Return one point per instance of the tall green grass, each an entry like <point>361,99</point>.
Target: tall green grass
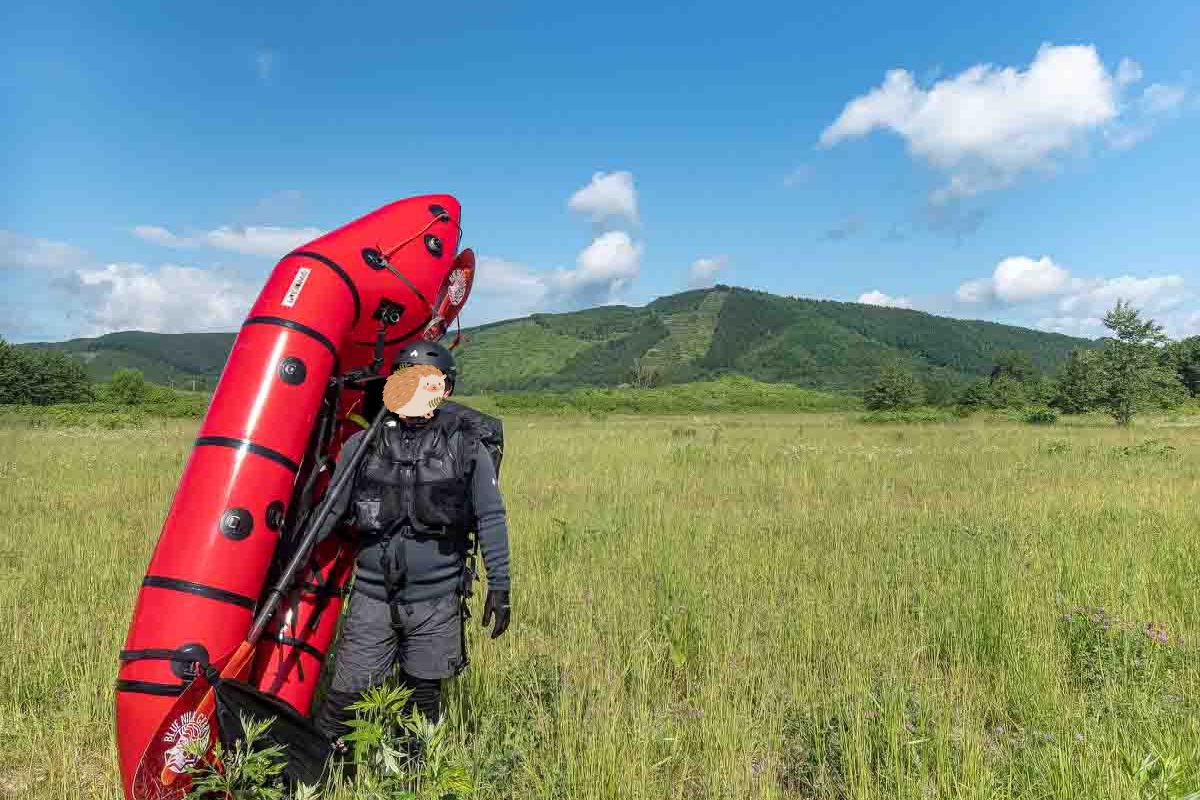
<point>770,606</point>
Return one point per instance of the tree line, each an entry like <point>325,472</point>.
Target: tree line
<point>1136,368</point>
<point>46,377</point>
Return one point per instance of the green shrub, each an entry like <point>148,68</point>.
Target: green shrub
<point>128,387</point>
<point>895,389</point>
<point>1040,416</point>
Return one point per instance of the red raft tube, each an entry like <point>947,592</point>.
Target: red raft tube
<point>318,316</point>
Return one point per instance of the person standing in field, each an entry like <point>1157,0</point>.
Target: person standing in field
<point>427,484</point>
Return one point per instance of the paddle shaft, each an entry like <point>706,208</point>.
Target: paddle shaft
<point>309,539</point>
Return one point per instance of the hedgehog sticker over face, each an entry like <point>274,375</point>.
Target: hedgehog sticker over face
<point>415,391</point>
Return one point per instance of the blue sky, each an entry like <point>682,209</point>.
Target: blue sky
<point>1026,162</point>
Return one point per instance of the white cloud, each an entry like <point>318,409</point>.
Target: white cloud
<point>1094,297</point>
<point>18,251</point>
<point>703,271</point>
<point>170,299</point>
<point>1128,71</point>
<point>987,125</point>
<point>610,194</point>
<point>604,268</point>
<point>1050,296</point>
<point>602,271</point>
<point>878,298</point>
<point>261,240</point>
<point>84,297</point>
<point>255,240</point>
<point>1017,279</point>
<point>975,291</point>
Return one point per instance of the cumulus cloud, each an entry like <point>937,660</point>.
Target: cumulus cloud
<point>18,251</point>
<point>86,297</point>
<point>1018,279</point>
<point>988,124</point>
<point>169,299</point>
<point>609,195</point>
<point>1093,297</point>
<point>703,271</point>
<point>255,240</point>
<point>602,271</point>
<point>1053,298</point>
<point>878,298</point>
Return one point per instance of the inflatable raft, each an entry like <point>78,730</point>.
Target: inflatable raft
<point>331,309</point>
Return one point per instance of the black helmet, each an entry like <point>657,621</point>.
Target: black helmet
<point>435,354</point>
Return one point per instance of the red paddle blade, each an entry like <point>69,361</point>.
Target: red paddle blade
<point>162,772</point>
<point>189,721</point>
<point>453,295</point>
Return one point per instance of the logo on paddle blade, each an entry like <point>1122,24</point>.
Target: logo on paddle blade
<point>192,726</point>
<point>458,286</point>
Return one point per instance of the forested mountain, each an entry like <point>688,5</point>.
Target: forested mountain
<point>675,339</point>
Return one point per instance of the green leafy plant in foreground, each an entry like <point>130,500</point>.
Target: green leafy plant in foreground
<point>396,754</point>
<point>250,772</point>
<point>399,754</point>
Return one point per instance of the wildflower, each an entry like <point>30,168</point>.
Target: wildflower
<point>908,726</point>
<point>1079,738</point>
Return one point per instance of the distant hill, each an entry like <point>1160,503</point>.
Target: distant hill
<point>675,339</point>
<point>174,359</point>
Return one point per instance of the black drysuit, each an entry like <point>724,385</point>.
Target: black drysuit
<point>405,607</point>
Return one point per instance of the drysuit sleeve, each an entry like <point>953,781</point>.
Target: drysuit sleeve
<point>343,502</point>
<point>491,521</point>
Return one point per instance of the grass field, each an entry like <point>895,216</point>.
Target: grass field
<point>738,606</point>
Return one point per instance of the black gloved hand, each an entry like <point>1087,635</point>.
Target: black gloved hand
<point>496,605</point>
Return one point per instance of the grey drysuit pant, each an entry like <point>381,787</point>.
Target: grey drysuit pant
<point>425,643</point>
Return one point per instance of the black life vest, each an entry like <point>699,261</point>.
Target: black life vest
<point>417,475</point>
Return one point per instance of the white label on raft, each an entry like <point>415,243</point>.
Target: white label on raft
<point>293,291</point>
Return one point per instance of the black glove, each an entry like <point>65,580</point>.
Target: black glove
<point>496,604</point>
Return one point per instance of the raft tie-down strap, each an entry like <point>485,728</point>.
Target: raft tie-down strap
<point>200,590</point>
<point>341,273</point>
<point>150,687</point>
<point>292,325</point>
<point>248,446</point>
<point>302,646</point>
<point>157,654</point>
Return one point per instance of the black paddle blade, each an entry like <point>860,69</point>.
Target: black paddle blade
<point>305,748</point>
